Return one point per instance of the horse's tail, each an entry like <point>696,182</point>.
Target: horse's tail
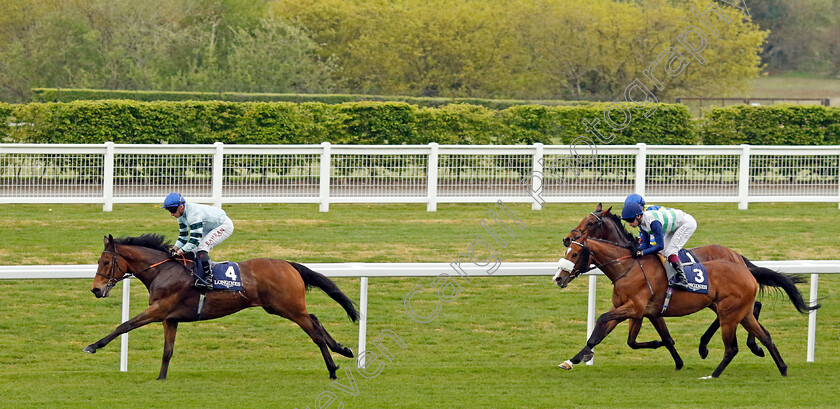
<point>311,278</point>
<point>796,278</point>
<point>768,277</point>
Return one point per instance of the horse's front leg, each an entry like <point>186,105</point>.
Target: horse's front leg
<point>662,329</point>
<point>170,328</point>
<point>151,314</point>
<point>635,326</point>
<point>603,326</point>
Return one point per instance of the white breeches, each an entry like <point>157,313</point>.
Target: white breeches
<point>677,240</point>
<point>216,236</point>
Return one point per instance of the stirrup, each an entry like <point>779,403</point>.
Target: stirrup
<point>203,284</point>
<point>680,284</point>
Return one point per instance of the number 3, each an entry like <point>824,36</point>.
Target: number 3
<point>699,278</point>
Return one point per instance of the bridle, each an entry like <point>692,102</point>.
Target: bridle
<point>112,280</point>
<point>579,233</point>
<point>585,250</point>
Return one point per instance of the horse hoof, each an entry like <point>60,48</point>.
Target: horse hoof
<point>758,352</point>
<point>704,352</point>
<point>89,349</point>
<point>567,365</point>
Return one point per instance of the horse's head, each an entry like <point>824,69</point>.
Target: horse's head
<point>110,269</point>
<point>590,225</point>
<point>575,263</point>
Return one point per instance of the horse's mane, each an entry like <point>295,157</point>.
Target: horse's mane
<point>150,240</point>
<point>630,243</point>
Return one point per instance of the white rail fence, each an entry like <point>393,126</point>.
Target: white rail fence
<point>366,270</point>
<point>219,174</point>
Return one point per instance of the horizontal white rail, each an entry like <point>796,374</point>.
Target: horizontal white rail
<point>121,173</point>
<point>366,270</point>
<point>528,268</point>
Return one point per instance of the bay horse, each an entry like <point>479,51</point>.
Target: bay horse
<point>278,286</point>
<point>639,288</point>
<point>604,225</point>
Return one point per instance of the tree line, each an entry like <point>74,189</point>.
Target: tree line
<point>519,49</point>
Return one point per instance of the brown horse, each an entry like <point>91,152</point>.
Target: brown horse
<point>639,288</point>
<point>602,224</point>
<point>278,286</point>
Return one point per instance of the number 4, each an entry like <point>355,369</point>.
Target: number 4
<point>231,273</point>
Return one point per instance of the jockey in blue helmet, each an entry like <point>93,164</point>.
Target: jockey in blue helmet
<point>201,228</point>
<point>672,229</point>
<point>637,198</point>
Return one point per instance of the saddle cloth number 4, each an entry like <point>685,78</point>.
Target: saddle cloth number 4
<point>230,273</point>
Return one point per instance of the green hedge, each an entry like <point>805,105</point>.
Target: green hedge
<point>69,95</point>
<point>125,121</point>
<point>781,124</point>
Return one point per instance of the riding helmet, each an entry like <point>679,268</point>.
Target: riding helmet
<point>173,200</point>
<point>634,198</point>
<point>630,211</point>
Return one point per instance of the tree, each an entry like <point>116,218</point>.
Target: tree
<point>276,57</point>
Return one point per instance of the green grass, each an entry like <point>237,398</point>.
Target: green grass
<point>496,345</point>
<point>797,86</point>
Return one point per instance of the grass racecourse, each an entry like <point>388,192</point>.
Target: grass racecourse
<point>497,345</point>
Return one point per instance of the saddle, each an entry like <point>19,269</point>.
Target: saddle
<point>226,274</point>
<point>695,272</point>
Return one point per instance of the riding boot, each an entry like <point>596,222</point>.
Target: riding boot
<point>679,280</point>
<point>204,280</point>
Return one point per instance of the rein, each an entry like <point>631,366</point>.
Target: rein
<point>112,281</point>
<point>629,266</point>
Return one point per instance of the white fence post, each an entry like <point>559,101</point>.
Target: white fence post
<point>108,178</point>
<point>326,165</point>
<point>126,300</point>
<point>218,173</point>
<point>744,178</point>
<point>812,318</point>
<point>537,183</point>
<point>432,178</point>
<point>641,167</point>
<point>363,303</point>
<point>590,312</point>
<point>838,186</point>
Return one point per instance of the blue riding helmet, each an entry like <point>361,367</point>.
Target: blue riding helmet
<point>173,200</point>
<point>631,210</point>
<point>634,198</point>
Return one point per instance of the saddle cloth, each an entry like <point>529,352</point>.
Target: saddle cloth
<point>226,276</point>
<point>695,272</point>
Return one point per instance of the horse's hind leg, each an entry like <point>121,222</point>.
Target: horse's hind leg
<point>314,331</point>
<point>707,336</point>
<point>752,326</point>
<point>751,338</point>
<point>334,346</point>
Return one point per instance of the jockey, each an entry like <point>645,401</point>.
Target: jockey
<point>636,198</point>
<point>671,227</point>
<point>201,228</point>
